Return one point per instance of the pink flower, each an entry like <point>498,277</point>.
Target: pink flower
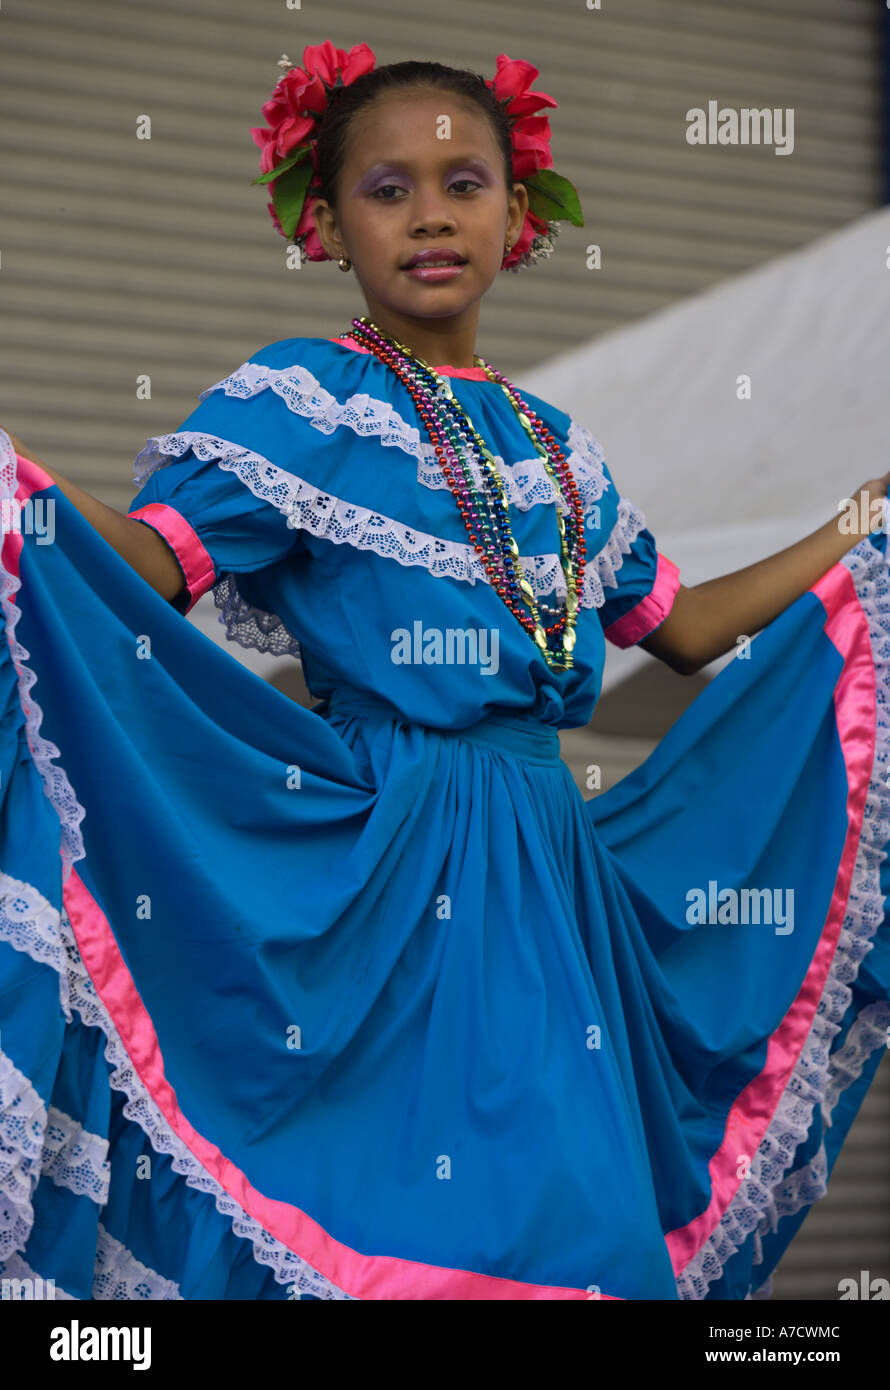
<point>512,81</point>
<point>306,227</point>
<point>531,146</point>
<point>277,143</point>
<point>292,113</point>
<point>301,97</point>
<point>329,62</point>
<point>530,229</point>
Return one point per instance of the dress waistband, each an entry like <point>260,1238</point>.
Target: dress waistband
<point>520,736</point>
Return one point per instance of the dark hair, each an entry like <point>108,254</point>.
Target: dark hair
<point>345,102</point>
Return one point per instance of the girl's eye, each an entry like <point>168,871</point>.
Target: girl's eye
<point>378,191</point>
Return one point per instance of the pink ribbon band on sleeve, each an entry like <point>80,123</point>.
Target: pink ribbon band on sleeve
<point>645,616</point>
<point>194,559</point>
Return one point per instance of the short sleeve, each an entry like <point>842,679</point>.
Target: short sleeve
<point>209,516</point>
<point>639,582</point>
<point>212,522</point>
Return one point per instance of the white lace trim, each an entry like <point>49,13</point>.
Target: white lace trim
<point>140,1107</point>
<point>806,1185</point>
<point>250,626</point>
<point>17,1268</point>
<point>24,1121</point>
<point>29,923</point>
<point>819,1077</point>
<point>119,1275</point>
<point>76,1158</point>
<point>603,568</point>
<point>35,1141</point>
<point>55,781</point>
<point>527,483</point>
<point>22,1126</point>
<point>867,1032</point>
<point>309,508</point>
<point>756,1206</point>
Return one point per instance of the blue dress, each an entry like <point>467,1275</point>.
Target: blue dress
<point>371,1000</point>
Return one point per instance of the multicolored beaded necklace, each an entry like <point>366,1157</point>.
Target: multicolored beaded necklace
<point>455,439</point>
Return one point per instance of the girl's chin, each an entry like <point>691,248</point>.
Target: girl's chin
<point>425,302</point>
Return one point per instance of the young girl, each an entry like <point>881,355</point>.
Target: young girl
<point>369,1000</point>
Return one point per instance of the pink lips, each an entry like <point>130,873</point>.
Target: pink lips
<point>433,273</point>
<point>420,268</point>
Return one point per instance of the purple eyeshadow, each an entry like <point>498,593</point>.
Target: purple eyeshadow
<point>378,177</point>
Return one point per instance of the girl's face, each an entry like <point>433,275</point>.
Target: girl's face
<point>403,189</point>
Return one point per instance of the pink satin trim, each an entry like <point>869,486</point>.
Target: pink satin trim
<point>30,478</point>
<point>387,1277</point>
<point>473,373</point>
<point>192,555</point>
<point>27,470</point>
<point>645,616</point>
<point>363,1276</point>
<point>855,704</point>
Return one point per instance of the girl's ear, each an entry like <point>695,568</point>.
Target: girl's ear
<point>326,227</point>
<point>518,207</point>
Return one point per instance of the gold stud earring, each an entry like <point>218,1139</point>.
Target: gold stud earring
<point>345,263</point>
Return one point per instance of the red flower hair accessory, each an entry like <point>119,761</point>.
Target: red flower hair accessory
<point>289,161</point>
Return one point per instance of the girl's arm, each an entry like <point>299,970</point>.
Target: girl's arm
<point>141,546</point>
<point>707,619</point>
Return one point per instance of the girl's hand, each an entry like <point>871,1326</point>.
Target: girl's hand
<point>18,445</point>
<point>864,517</point>
<point>27,453</point>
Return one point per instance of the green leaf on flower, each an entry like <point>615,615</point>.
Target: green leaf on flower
<point>289,195</point>
<point>282,168</point>
<point>553,198</point>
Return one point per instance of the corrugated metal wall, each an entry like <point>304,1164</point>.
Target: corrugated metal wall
<point>122,257</point>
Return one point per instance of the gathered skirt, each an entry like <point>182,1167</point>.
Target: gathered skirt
<point>329,1004</point>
